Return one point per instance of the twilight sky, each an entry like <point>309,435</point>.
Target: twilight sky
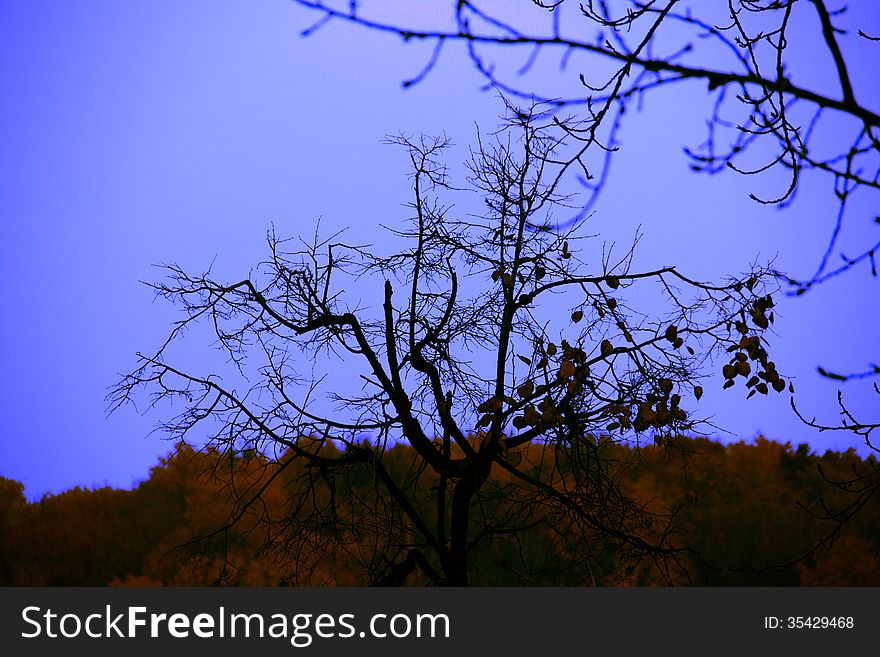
<point>149,132</point>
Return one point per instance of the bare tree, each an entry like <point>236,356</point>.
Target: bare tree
<point>771,111</point>
<point>508,364</point>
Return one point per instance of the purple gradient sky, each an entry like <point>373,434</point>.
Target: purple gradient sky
<point>139,133</point>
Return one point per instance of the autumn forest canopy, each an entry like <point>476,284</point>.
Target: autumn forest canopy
<point>751,514</point>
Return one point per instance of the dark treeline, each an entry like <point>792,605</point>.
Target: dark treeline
<point>751,512</point>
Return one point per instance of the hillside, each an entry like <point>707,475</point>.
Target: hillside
<point>746,512</point>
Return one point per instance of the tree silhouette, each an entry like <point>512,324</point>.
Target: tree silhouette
<point>772,108</point>
<point>484,341</point>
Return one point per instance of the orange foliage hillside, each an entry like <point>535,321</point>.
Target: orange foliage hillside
<point>747,511</point>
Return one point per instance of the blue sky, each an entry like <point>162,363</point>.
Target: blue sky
<point>141,133</point>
